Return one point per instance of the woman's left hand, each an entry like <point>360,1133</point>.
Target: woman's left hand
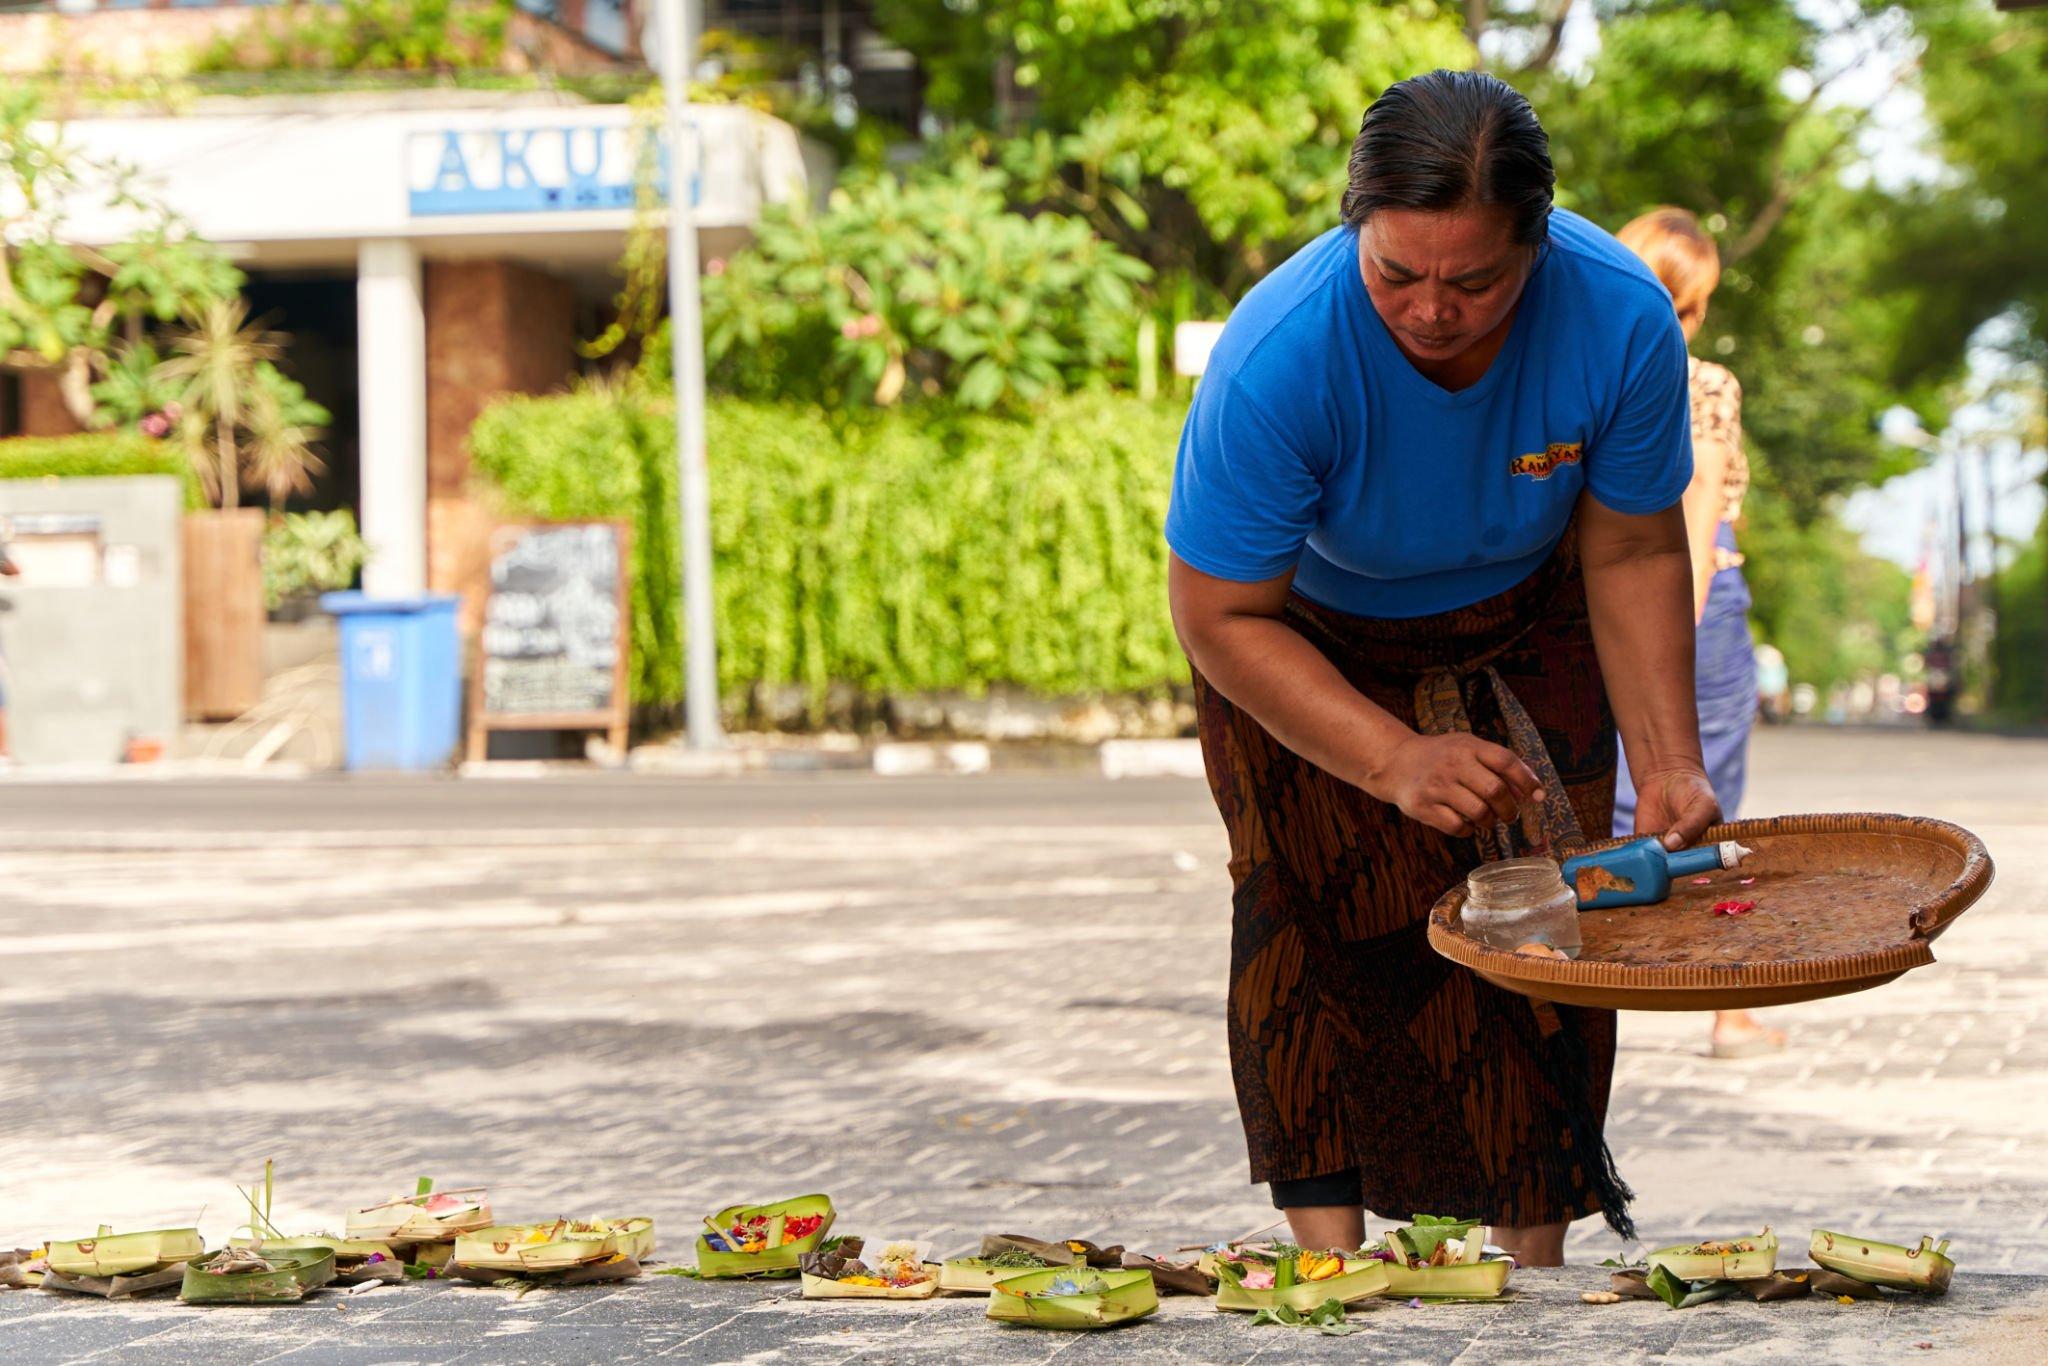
<point>1677,803</point>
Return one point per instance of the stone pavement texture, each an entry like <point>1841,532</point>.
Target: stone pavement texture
<point>959,1005</point>
<point>1985,1320</point>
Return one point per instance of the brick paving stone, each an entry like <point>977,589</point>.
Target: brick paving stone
<point>952,1003</point>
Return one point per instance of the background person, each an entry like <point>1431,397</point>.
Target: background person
<point>1426,500</point>
<point>1674,245</point>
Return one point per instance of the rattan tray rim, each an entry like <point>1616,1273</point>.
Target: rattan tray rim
<point>1929,917</point>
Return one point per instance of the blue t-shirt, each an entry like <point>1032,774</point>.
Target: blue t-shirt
<point>1313,444</point>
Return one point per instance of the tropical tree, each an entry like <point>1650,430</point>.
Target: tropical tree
<point>283,426</point>
<point>1968,251</point>
<point>69,308</point>
<point>239,414</point>
<point>1208,139</point>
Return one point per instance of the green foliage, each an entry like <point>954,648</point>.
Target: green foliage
<point>1680,1294</point>
<point>1971,251</point>
<point>136,385</point>
<point>593,454</point>
<point>1326,1318</point>
<point>96,455</point>
<point>927,287</point>
<point>2021,681</point>
<point>1690,105</point>
<point>1837,612</point>
<point>1200,135</point>
<point>63,305</point>
<point>310,552</point>
<point>367,35</point>
<point>912,551</point>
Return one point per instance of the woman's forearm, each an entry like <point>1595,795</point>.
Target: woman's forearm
<point>1639,592</point>
<point>1265,667</point>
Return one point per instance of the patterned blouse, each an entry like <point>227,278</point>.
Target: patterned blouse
<point>1717,416</point>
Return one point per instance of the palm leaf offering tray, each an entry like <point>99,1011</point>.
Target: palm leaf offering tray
<point>1251,1277</point>
<point>1073,1298</point>
<point>1173,1277</point>
<point>117,1287</point>
<point>425,1216</point>
<point>1731,1259</point>
<point>1004,1255</point>
<point>1442,1259</point>
<point>897,1269</point>
<point>356,1261</point>
<point>555,1245</point>
<point>1925,1268</point>
<point>108,1254</point>
<point>1824,905</point>
<point>22,1268</point>
<point>617,1267</point>
<point>244,1276</point>
<point>1850,1267</point>
<point>756,1240</point>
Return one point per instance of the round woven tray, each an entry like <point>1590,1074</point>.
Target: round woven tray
<point>1843,903</point>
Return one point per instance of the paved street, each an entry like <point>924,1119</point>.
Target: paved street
<point>959,1005</point>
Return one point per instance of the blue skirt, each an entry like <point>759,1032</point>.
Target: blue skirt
<point>1724,684</point>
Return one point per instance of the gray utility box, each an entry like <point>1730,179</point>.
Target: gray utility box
<point>92,631</point>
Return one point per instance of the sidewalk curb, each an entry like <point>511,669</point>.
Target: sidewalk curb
<point>931,758</point>
<point>1114,759</point>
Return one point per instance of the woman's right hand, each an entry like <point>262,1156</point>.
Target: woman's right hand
<point>1456,783</point>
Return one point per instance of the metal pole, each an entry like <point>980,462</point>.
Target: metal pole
<point>679,26</point>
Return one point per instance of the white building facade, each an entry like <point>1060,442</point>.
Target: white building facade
<point>426,253</point>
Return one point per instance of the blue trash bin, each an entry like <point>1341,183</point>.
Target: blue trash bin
<point>401,679</point>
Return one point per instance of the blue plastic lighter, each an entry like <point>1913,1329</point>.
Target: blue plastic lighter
<point>1639,873</point>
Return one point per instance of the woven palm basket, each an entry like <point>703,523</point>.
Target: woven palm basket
<point>1843,903</point>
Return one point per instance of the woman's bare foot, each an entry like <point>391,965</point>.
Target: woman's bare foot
<point>1533,1245</point>
<point>1738,1034</point>
<point>1327,1228</point>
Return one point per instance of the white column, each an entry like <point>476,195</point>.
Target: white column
<point>391,364</point>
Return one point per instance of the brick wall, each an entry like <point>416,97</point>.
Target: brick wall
<point>493,327</point>
<point>42,406</point>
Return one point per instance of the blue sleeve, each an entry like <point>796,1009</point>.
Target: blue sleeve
<point>1244,494</point>
<point>1641,460</point>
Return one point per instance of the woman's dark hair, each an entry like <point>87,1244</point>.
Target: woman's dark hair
<point>1451,138</point>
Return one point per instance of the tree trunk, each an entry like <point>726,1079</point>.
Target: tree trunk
<point>230,467</point>
<point>74,384</point>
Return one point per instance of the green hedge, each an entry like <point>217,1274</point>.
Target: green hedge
<point>908,552</point>
<point>96,455</point>
<point>2021,647</point>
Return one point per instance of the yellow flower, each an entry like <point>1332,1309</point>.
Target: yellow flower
<point>1319,1266</point>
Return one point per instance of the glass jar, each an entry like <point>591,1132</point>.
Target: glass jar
<point>1521,901</point>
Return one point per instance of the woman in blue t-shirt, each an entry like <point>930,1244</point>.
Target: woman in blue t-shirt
<point>1425,528</point>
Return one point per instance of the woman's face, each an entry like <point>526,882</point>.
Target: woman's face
<point>1442,282</point>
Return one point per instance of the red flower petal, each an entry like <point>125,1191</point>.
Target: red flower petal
<point>1733,908</point>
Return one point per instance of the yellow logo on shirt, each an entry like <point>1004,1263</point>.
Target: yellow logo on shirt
<point>1544,463</point>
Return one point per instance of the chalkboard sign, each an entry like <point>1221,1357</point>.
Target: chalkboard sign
<point>553,644</point>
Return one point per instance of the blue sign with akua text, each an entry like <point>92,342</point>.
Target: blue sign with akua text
<point>562,169</point>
